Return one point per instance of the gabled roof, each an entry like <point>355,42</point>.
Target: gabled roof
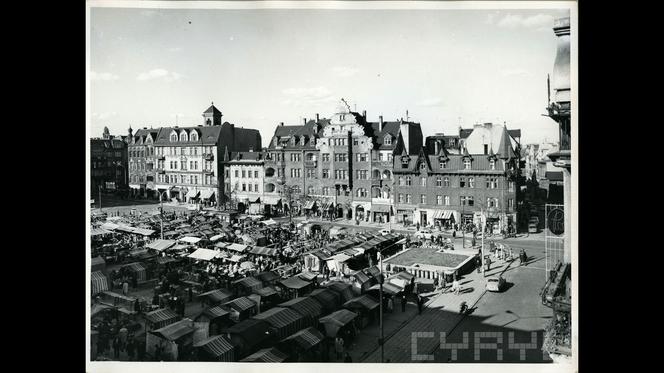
<point>208,135</point>
<point>465,132</point>
<point>391,128</point>
<point>505,151</point>
<point>244,156</point>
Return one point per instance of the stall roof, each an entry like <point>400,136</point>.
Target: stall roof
<point>237,247</point>
<point>176,330</point>
<point>373,271</point>
<point>266,291</point>
<point>241,304</point>
<point>236,258</point>
<point>305,306</point>
<point>253,331</point>
<point>143,231</point>
<point>260,250</point>
<point>361,277</point>
<point>266,355</point>
<point>217,295</point>
<point>341,257</point>
<point>97,260</point>
<point>221,245</point>
<point>295,283</point>
<point>178,247</point>
<point>320,254</point>
<point>363,301</point>
<point>217,237</point>
<point>99,231</point>
<point>160,245</point>
<point>269,222</point>
<point>307,276</point>
<point>268,276</point>
<point>284,320</point>
<point>339,318</point>
<point>342,288</point>
<point>204,254</point>
<point>248,282</point>
<point>306,338</point>
<point>189,239</point>
<point>160,315</point>
<point>329,299</point>
<point>135,266</point>
<point>388,288</point>
<point>404,275</point>
<point>110,226</point>
<point>217,346</point>
<point>214,312</point>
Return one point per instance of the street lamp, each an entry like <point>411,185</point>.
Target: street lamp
<point>382,279</point>
<point>161,212</point>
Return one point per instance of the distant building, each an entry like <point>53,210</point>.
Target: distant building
<point>109,163</point>
<point>244,179</point>
<point>142,167</point>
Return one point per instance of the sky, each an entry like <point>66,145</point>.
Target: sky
<point>159,67</point>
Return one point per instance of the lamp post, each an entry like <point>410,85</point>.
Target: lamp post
<point>380,340</point>
<point>161,212</point>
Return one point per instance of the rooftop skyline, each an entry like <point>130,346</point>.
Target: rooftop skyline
<point>448,68</point>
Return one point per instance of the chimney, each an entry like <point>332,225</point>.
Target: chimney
<point>317,118</point>
<point>305,121</point>
<point>436,143</point>
<point>380,123</point>
<point>282,123</point>
<point>405,132</point>
<point>251,149</point>
<point>364,114</point>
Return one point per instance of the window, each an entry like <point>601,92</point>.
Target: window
<point>423,166</point>
<point>490,202</point>
<point>310,190</point>
<point>446,182</point>
<point>491,183</point>
<point>387,140</point>
<point>462,200</point>
<point>492,164</point>
<point>471,201</point>
<point>195,179</point>
<point>174,137</point>
<point>439,200</point>
<point>363,157</point>
<point>311,173</point>
<point>486,149</point>
<point>447,200</point>
<point>401,182</point>
<point>510,186</point>
<point>326,173</point>
<point>250,188</point>
<point>244,187</point>
<point>466,164</point>
<point>443,164</point>
<point>183,136</point>
<point>423,198</point>
<point>510,203</point>
<point>389,157</point>
<point>326,191</point>
<point>408,198</point>
<point>408,180</point>
<point>439,181</point>
<point>423,181</point>
<point>355,142</point>
<point>326,157</point>
<point>462,182</point>
<point>471,182</point>
<point>400,198</point>
<point>280,172</point>
<point>191,165</point>
<point>362,174</point>
<point>237,173</point>
<point>244,174</point>
<point>361,192</point>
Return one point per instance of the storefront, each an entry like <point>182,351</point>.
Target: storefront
<point>405,216</point>
<point>381,213</point>
<point>443,218</point>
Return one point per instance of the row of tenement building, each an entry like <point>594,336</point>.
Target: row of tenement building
<point>342,166</point>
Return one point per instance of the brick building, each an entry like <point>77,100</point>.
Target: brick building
<point>109,164</point>
<point>142,168</point>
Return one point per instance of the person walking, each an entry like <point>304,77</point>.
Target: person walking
<point>456,287</point>
<point>116,347</point>
<point>478,264</point>
<point>488,264</point>
<point>125,288</point>
<point>420,302</point>
<point>339,347</point>
<point>403,303</point>
<point>390,305</point>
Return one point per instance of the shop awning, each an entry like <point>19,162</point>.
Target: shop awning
<point>216,296</point>
<point>284,321</point>
<point>336,320</point>
<point>305,306</point>
<point>203,254</point>
<point>207,194</point>
<point>241,304</point>
<point>192,193</point>
<point>160,245</point>
<point>442,214</point>
<point>307,338</point>
<point>270,200</point>
<point>218,347</point>
<point>295,283</point>
<point>380,208</point>
<point>237,247</point>
<point>267,355</point>
<point>189,239</point>
<point>362,302</point>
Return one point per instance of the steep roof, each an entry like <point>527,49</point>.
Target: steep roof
<point>388,127</point>
<point>212,110</point>
<point>244,156</point>
<point>465,132</point>
<point>208,135</point>
<point>505,150</point>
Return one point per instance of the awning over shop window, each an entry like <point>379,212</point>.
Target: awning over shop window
<point>207,194</point>
<point>380,208</point>
<point>192,193</point>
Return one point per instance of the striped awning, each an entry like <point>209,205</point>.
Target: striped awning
<point>306,338</point>
<point>161,317</point>
<point>219,347</point>
<point>305,306</point>
<point>176,330</point>
<point>363,301</point>
<point>327,298</point>
<point>241,304</point>
<point>192,193</point>
<point>267,355</point>
<point>265,251</point>
<point>99,282</point>
<point>214,312</point>
<point>295,283</point>
<point>160,245</point>
<point>284,321</point>
<point>336,320</point>
<point>207,194</point>
<point>309,205</point>
<point>442,214</point>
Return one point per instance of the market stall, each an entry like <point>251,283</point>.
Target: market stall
<point>329,299</point>
<point>337,321</point>
<point>137,269</point>
<point>268,277</point>
<point>98,264</point>
<point>173,341</point>
<point>241,308</point>
<point>203,254</point>
<point>215,317</point>
<point>308,307</point>
<point>215,349</point>
<point>304,345</point>
<point>365,306</point>
<point>214,297</point>
<point>159,318</point>
<point>268,355</point>
<point>248,336</point>
<point>344,289</point>
<point>99,282</point>
<point>247,285</point>
<point>283,321</point>
<point>160,245</point>
<point>294,287</point>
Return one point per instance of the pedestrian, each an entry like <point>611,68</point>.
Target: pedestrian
<point>116,347</point>
<point>419,304</point>
<point>488,263</point>
<point>454,233</point>
<point>131,348</point>
<point>125,288</point>
<point>443,280</point>
<point>390,305</point>
<point>137,306</point>
<point>339,347</point>
<point>478,264</point>
<point>403,303</point>
<point>123,333</point>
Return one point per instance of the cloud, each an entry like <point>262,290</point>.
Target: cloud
<point>433,101</point>
<point>103,116</point>
<point>537,21</point>
<point>308,96</point>
<point>103,76</point>
<point>345,71</point>
<point>163,74</point>
<point>516,72</point>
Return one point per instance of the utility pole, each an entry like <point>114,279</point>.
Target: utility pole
<point>483,230</point>
<point>382,279</point>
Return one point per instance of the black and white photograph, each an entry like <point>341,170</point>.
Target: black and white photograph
<point>378,182</point>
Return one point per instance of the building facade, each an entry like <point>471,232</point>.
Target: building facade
<point>337,167</point>
<point>441,188</point>
<point>142,168</point>
<point>109,164</point>
<point>189,160</point>
<point>245,179</point>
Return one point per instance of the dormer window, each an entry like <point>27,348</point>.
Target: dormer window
<point>466,164</point>
<point>443,162</point>
<point>292,141</point>
<point>423,166</point>
<point>492,164</point>
<point>388,140</point>
<point>174,136</point>
<point>193,136</point>
<point>183,136</point>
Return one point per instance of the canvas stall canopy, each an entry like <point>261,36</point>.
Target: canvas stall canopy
<point>250,283</point>
<point>98,264</point>
<point>252,332</point>
<point>218,348</point>
<point>364,302</point>
<point>294,283</point>
<point>190,239</point>
<point>216,296</point>
<point>264,251</point>
<point>139,269</point>
<point>99,282</point>
<point>122,302</point>
<point>176,330</point>
<point>305,306</point>
<point>283,321</point>
<point>266,292</point>
<point>204,254</point>
<point>266,355</point>
<point>306,338</point>
<point>159,318</point>
<point>337,320</point>
<point>344,289</point>
<point>329,299</point>
<point>268,277</point>
<point>237,247</point>
<point>388,288</point>
<point>160,245</point>
<point>241,304</point>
